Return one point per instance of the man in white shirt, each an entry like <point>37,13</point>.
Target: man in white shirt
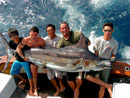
<point>51,42</point>
<point>106,47</point>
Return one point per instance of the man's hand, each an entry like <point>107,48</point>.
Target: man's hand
<point>113,59</point>
<point>25,58</point>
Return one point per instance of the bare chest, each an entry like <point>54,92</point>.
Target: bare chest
<point>35,43</point>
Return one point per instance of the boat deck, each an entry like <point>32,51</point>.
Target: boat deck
<point>45,88</point>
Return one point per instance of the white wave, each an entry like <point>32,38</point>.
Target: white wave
<point>73,15</point>
<point>3,1</point>
<point>125,53</point>
<point>92,38</point>
<point>26,0</point>
<point>97,4</point>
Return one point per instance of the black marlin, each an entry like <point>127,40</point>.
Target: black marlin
<point>75,58</point>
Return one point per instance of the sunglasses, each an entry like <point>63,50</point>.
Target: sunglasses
<point>50,30</point>
<point>12,35</point>
<point>107,30</point>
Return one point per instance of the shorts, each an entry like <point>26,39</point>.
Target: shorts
<point>92,73</point>
<point>74,76</point>
<point>104,75</point>
<point>54,73</point>
<point>17,65</point>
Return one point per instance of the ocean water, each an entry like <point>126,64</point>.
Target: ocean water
<point>86,16</point>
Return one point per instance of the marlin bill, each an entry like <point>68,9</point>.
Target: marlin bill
<point>75,58</point>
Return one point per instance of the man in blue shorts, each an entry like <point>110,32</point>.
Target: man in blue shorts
<point>19,62</point>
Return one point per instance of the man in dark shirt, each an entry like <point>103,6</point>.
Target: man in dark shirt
<point>19,62</point>
<point>70,38</point>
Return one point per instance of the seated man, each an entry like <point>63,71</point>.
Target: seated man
<point>70,38</point>
<point>105,47</point>
<point>19,62</point>
<point>33,40</point>
<point>51,41</point>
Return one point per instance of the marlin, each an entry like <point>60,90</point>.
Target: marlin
<point>75,58</point>
<point>9,51</point>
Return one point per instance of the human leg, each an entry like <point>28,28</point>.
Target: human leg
<point>71,84</point>
<point>34,70</point>
<point>22,79</point>
<point>53,81</point>
<point>50,75</point>
<point>78,85</point>
<point>15,70</point>
<point>31,87</point>
<point>27,69</point>
<point>101,92</point>
<point>102,85</point>
<point>71,77</point>
<point>104,75</point>
<point>62,87</point>
<point>59,75</point>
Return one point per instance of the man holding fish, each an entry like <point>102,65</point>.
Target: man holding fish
<point>69,38</point>
<point>33,40</point>
<point>106,47</point>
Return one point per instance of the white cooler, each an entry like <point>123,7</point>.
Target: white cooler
<point>121,90</point>
<point>7,85</point>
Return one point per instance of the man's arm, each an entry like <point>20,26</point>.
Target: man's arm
<point>96,52</point>
<point>20,46</point>
<point>43,43</point>
<point>113,57</point>
<point>59,44</point>
<point>89,43</point>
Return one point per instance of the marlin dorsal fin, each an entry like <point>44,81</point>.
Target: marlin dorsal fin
<point>82,42</point>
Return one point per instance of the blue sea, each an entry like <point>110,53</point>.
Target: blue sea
<point>86,16</point>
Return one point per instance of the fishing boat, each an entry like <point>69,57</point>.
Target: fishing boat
<point>120,73</point>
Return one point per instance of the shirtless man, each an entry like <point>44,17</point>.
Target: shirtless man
<point>33,40</point>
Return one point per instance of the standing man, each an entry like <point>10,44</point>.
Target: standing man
<point>106,47</point>
<point>70,38</point>
<point>19,62</point>
<point>51,42</point>
<point>33,40</point>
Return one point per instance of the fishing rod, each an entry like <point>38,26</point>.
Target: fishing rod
<point>114,59</point>
<point>122,59</point>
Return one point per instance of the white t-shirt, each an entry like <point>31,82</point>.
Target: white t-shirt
<point>106,48</point>
<point>51,42</point>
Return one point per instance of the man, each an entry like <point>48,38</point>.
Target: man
<point>19,62</point>
<point>33,40</point>
<point>70,38</point>
<point>51,42</point>
<point>106,47</point>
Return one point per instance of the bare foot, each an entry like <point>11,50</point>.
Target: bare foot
<point>35,93</point>
<point>57,93</point>
<point>22,82</point>
<point>31,92</point>
<point>62,89</point>
<point>21,86</point>
<point>76,93</point>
